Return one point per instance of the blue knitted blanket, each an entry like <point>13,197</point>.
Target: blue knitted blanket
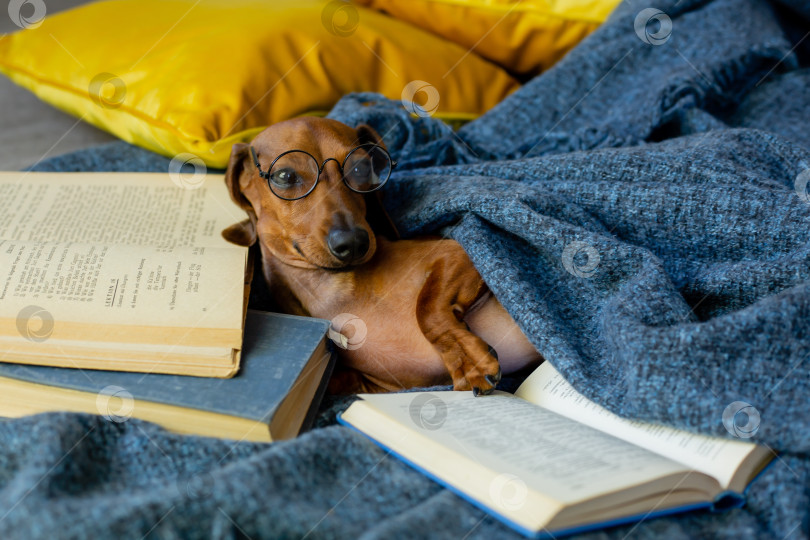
<point>641,209</point>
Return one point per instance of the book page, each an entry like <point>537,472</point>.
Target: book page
<point>121,208</point>
<point>551,454</point>
<point>94,291</point>
<point>714,456</point>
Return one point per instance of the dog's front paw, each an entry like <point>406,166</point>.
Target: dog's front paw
<point>473,365</point>
<point>492,380</point>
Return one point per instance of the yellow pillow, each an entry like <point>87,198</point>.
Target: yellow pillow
<point>523,36</point>
<point>178,76</point>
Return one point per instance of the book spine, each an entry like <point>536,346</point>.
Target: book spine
<point>727,500</point>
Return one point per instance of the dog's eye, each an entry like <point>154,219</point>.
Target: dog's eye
<point>366,168</point>
<point>284,178</point>
<point>361,171</point>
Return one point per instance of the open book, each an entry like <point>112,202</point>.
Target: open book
<point>120,271</point>
<point>548,461</point>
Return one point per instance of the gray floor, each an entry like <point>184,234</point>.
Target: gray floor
<point>31,130</point>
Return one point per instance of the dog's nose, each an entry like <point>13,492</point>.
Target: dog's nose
<point>348,245</point>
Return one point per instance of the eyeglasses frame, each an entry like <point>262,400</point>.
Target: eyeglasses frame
<point>266,174</point>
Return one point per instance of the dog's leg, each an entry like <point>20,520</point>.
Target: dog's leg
<point>451,287</point>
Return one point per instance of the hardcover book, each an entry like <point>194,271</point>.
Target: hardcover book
<point>548,462</point>
<point>120,271</point>
<point>286,365</point>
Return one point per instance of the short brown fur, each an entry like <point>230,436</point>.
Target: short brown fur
<point>414,296</point>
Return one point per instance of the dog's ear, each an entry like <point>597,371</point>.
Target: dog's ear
<point>368,135</point>
<point>233,174</point>
<point>377,217</point>
<point>241,234</point>
<point>244,232</point>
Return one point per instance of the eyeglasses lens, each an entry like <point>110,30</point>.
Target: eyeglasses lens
<point>293,175</point>
<point>366,168</point>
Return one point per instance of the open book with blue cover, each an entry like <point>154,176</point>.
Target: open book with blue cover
<point>547,461</point>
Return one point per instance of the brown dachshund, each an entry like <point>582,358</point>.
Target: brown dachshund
<point>425,315</point>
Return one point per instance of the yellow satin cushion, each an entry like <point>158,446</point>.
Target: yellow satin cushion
<point>181,76</point>
<point>523,36</point>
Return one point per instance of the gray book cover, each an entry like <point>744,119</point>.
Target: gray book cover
<point>275,351</point>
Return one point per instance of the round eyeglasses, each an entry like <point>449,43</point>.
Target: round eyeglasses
<point>295,173</point>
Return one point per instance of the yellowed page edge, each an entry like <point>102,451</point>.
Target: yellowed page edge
<point>22,398</point>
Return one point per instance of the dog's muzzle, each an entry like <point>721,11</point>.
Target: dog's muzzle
<point>348,246</point>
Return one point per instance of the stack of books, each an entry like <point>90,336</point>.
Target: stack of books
<point>118,296</point>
